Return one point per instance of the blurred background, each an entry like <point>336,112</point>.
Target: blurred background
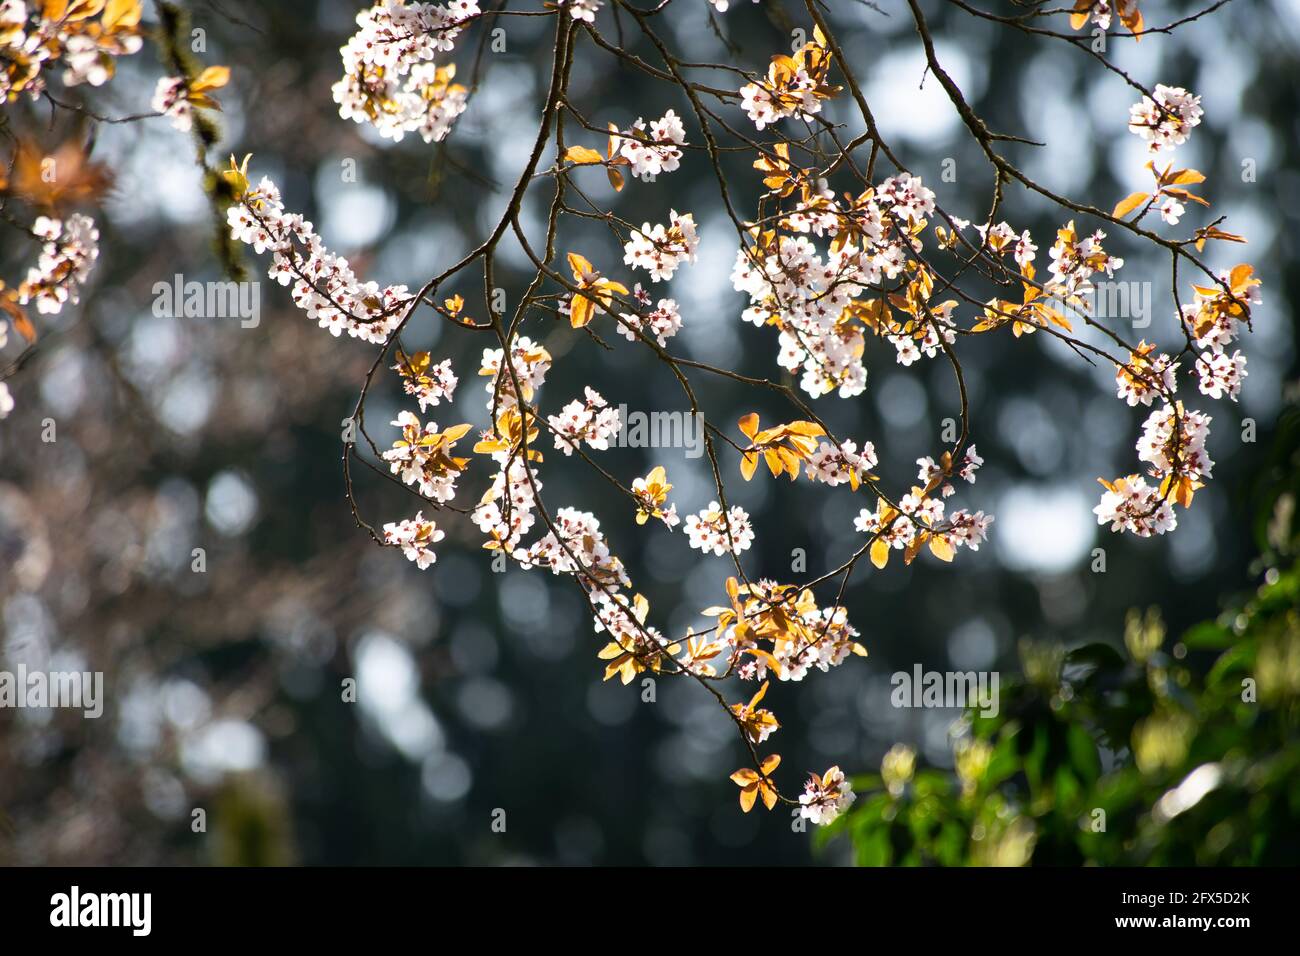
<point>480,691</point>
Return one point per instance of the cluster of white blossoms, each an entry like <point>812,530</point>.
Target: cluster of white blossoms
<point>808,297</point>
<point>1002,238</point>
<point>661,322</point>
<point>1173,447</point>
<point>416,538</point>
<point>784,94</point>
<point>579,549</point>
<point>1212,319</point>
<point>323,284</point>
<point>968,529</point>
<point>170,99</point>
<point>1173,439</point>
<point>1165,119</point>
<point>176,97</point>
<point>591,422</point>
<point>841,464</point>
<point>422,457</point>
<point>68,253</point>
<point>918,513</point>
<point>653,151</point>
<point>36,36</point>
<point>825,797</point>
<point>505,514</point>
<point>1130,504</point>
<point>530,362</point>
<point>1075,260</point>
<point>930,471</point>
<point>939,331</point>
<point>795,290</point>
<point>1146,378</point>
<point>1184,458</point>
<point>906,197</point>
<point>389,77</point>
<point>660,249</point>
<point>713,530</point>
<point>428,383</point>
<point>1219,374</point>
<point>634,646</point>
<point>823,639</point>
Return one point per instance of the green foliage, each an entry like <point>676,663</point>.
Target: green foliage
<point>1142,756</point>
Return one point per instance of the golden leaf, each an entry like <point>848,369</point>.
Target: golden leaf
<point>748,425</point>
<point>122,13</point>
<point>747,797</point>
<point>212,78</point>
<point>581,311</point>
<point>940,547</point>
<point>1129,203</point>
<point>582,156</point>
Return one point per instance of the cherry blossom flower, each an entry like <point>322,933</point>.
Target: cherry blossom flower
<point>1219,374</point>
<point>68,253</point>
<point>841,464</point>
<point>652,493</point>
<point>824,798</point>
<point>653,151</point>
<point>530,363</point>
<point>577,547</point>
<point>591,422</point>
<point>1214,315</point>
<point>1145,378</point>
<point>659,249</point>
<point>176,96</point>
<point>1171,210</point>
<point>711,530</point>
<point>635,647</point>
<point>422,457</point>
<point>505,515</point>
<point>1129,504</point>
<point>662,322</point>
<point>427,382</point>
<point>416,538</point>
<point>1165,119</point>
<point>793,87</point>
<point>585,10</point>
<point>1075,260</point>
<point>322,284</point>
<point>389,79</point>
